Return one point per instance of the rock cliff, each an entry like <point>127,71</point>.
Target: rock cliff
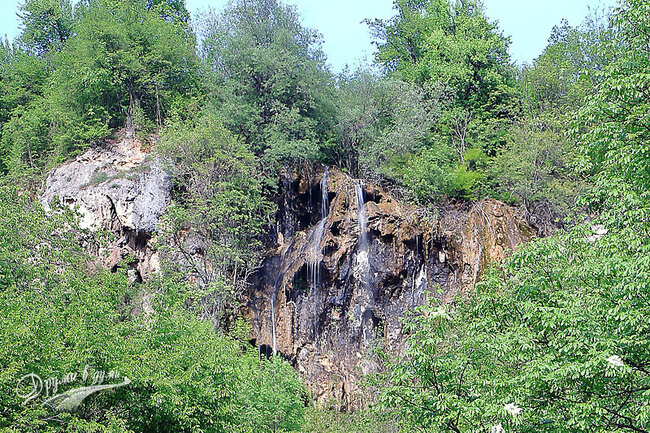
<point>347,262</point>
<point>117,186</point>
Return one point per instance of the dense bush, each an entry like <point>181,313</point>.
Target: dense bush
<point>559,332</point>
<point>557,338</point>
<point>61,312</point>
<point>219,201</point>
<point>269,78</point>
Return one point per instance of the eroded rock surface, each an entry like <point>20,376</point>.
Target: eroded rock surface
<point>344,265</point>
<point>117,186</point>
<point>347,263</point>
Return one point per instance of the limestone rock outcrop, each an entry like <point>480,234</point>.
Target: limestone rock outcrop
<point>347,262</point>
<point>117,186</point>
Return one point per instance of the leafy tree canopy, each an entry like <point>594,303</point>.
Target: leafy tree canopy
<point>438,41</point>
<point>557,338</point>
<point>273,85</point>
<point>46,25</point>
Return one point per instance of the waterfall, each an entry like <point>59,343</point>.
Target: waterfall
<point>316,237</point>
<point>324,191</point>
<point>362,270</point>
<point>362,267</point>
<point>275,343</point>
<point>314,255</point>
<point>362,218</point>
<point>313,268</point>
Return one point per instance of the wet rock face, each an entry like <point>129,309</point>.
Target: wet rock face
<point>338,278</point>
<point>344,264</point>
<point>115,186</point>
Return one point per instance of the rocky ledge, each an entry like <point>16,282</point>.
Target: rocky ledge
<point>347,262</point>
<point>119,187</point>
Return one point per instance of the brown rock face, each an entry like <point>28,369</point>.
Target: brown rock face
<point>349,262</point>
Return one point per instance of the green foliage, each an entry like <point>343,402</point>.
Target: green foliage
<point>459,59</point>
<point>613,124</point>
<point>170,10</point>
<point>25,138</point>
<point>327,420</point>
<point>24,122</point>
<point>535,165</point>
<point>271,83</point>
<point>23,77</point>
<point>535,169</point>
<point>537,334</point>
<point>272,404</point>
<point>380,120</point>
<point>46,25</point>
<point>60,313</point>
<point>220,201</point>
<point>557,79</point>
<point>557,338</point>
<point>69,82</point>
<point>125,67</point>
<point>464,183</point>
<point>432,174</point>
<point>452,43</point>
<point>426,174</point>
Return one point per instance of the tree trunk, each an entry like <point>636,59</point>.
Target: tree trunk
<point>134,105</point>
<point>158,115</point>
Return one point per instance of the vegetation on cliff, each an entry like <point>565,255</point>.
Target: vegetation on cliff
<point>555,339</point>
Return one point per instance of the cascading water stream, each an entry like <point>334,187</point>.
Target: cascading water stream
<point>275,342</point>
<point>313,252</point>
<point>315,258</point>
<point>313,267</point>
<point>315,241</point>
<point>316,238</point>
<point>324,194</point>
<point>362,268</point>
<point>362,219</point>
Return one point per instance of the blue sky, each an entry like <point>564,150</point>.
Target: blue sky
<point>347,41</point>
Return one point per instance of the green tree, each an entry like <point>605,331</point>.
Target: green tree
<point>557,338</point>
<point>170,10</point>
<point>426,174</point>
<point>379,120</point>
<point>557,79</point>
<point>62,312</point>
<point>451,49</point>
<point>46,25</point>
<point>271,82</point>
<point>126,66</point>
<point>26,143</point>
<point>613,126</point>
<point>454,43</point>
<point>535,166</point>
<point>559,333</point>
<point>23,129</point>
<point>220,205</point>
<point>535,170</point>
